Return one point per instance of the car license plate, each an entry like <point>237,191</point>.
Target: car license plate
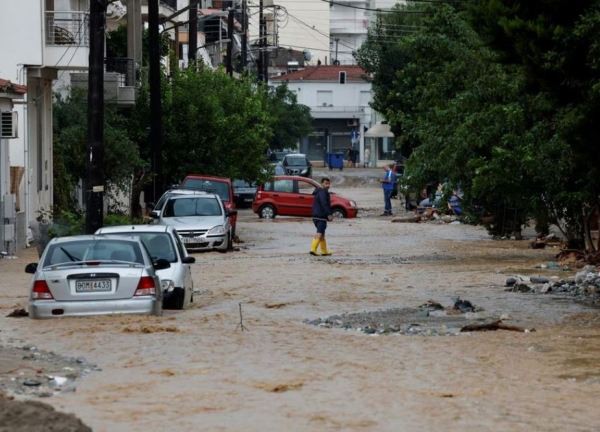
<point>93,285</point>
<point>248,199</point>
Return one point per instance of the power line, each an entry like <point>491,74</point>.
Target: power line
<point>331,2</point>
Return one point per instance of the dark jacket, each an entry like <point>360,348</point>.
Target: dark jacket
<point>322,204</point>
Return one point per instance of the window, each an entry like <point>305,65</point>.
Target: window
<point>324,97</point>
<point>286,186</point>
<point>212,186</point>
<point>93,250</point>
<point>342,77</point>
<point>305,187</point>
<point>181,207</point>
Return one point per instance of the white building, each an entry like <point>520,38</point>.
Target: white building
<point>9,131</point>
<point>39,39</point>
<point>299,25</point>
<point>338,98</point>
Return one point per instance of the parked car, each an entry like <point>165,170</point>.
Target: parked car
<point>201,220</point>
<point>91,275</point>
<point>163,242</point>
<point>221,186</point>
<point>297,164</point>
<point>293,196</point>
<point>244,193</point>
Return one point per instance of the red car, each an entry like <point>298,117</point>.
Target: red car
<point>293,196</point>
<point>221,186</point>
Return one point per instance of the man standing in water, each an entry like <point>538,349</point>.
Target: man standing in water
<point>387,183</point>
<point>321,212</point>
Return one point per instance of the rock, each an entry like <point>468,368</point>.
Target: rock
<point>546,288</point>
<point>463,306</point>
<point>539,280</point>
<point>18,313</point>
<point>521,287</point>
<point>511,281</point>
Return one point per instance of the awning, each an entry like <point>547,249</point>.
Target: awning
<point>380,130</point>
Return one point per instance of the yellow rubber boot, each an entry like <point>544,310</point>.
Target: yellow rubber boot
<point>324,250</point>
<point>313,247</point>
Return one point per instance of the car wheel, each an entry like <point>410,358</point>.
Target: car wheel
<point>338,213</point>
<point>179,298</point>
<point>267,212</point>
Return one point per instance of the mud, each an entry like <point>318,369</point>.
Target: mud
<point>32,416</point>
<point>283,374</point>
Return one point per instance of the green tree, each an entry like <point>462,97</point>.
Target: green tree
<point>121,155</point>
<point>290,120</point>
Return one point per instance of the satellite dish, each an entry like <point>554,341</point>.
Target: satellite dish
<point>307,55</point>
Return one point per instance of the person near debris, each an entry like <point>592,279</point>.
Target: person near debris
<point>454,203</point>
<point>387,183</point>
<point>321,212</point>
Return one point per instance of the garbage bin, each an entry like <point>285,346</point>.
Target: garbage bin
<point>335,160</point>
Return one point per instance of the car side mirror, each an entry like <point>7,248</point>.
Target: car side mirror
<point>31,268</point>
<point>161,264</point>
<point>188,260</point>
<point>154,214</point>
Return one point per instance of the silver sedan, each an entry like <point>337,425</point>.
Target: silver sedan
<point>95,275</point>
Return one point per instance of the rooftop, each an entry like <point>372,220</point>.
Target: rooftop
<point>8,87</point>
<point>325,73</point>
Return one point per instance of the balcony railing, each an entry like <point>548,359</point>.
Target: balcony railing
<point>67,28</point>
<point>123,66</point>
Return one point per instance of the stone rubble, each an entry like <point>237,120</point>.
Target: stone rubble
<point>585,286</point>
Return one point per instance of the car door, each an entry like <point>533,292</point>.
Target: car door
<point>305,197</point>
<point>284,196</point>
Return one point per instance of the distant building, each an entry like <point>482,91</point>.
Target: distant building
<point>338,98</point>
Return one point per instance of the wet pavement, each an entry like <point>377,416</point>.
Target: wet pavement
<point>195,369</point>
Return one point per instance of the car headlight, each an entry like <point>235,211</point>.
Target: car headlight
<point>304,171</point>
<point>167,285</point>
<point>218,230</point>
<point>353,204</point>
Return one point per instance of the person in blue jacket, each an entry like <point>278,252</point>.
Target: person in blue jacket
<point>387,183</point>
<point>321,212</point>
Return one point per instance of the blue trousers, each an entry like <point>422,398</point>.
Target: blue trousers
<point>387,199</point>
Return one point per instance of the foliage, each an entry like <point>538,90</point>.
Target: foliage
<point>499,99</point>
<point>291,120</point>
<point>215,124</point>
<point>121,154</point>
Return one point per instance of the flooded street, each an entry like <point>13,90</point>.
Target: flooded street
<point>195,369</point>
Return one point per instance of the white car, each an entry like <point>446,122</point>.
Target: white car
<point>200,219</point>
<point>163,242</point>
<point>95,275</point>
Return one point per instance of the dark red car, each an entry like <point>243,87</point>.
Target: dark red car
<point>221,186</point>
<point>293,196</point>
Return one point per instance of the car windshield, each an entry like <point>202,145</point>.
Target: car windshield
<point>243,184</point>
<point>296,161</point>
<point>93,250</point>
<point>213,186</point>
<point>159,245</point>
<point>181,207</point>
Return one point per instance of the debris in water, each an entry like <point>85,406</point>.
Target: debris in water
<point>18,313</point>
<point>493,326</point>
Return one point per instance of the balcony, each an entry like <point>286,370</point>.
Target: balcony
<point>67,40</point>
<point>119,81</point>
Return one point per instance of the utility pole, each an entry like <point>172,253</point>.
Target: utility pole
<point>156,129</point>
<point>193,32</point>
<point>261,40</point>
<point>229,65</point>
<point>337,41</point>
<point>94,187</point>
<point>265,51</point>
<point>244,34</point>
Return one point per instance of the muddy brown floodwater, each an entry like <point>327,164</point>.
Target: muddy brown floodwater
<point>194,370</point>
